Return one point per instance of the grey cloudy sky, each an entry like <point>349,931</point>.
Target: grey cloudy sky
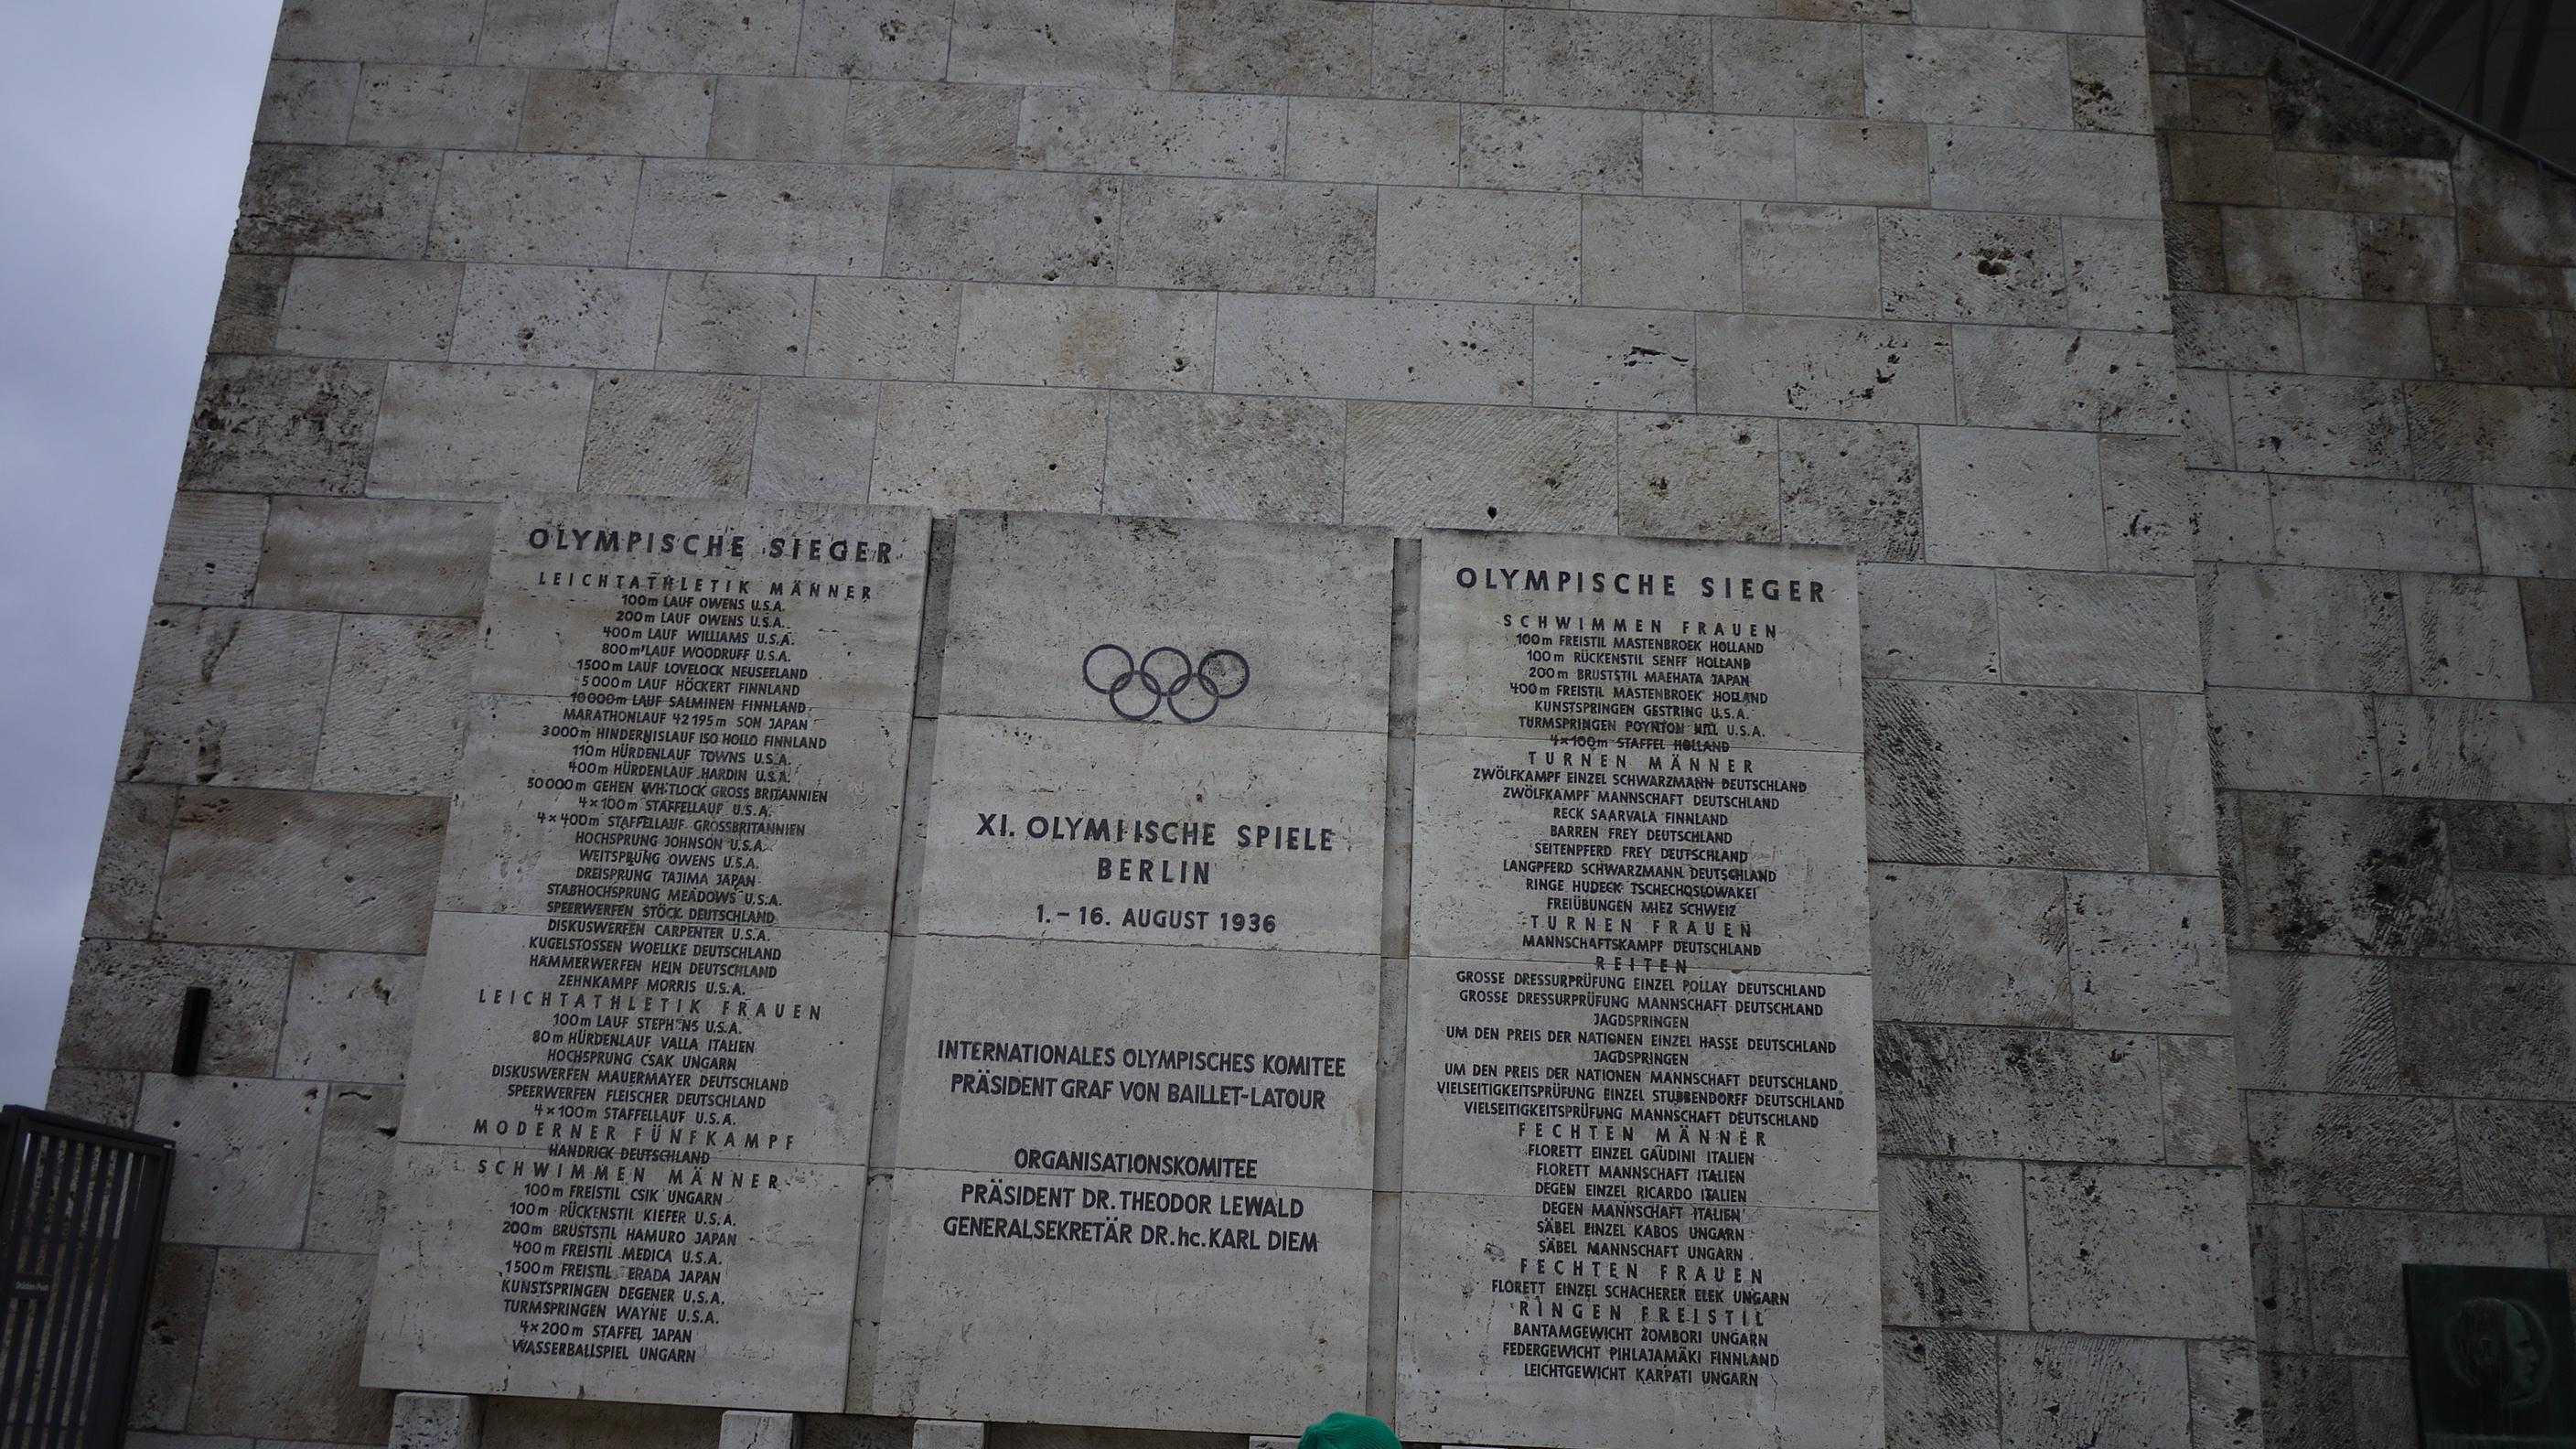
<point>124,126</point>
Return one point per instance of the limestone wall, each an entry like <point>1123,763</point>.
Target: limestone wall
<point>1891,273</point>
<point>2374,325</point>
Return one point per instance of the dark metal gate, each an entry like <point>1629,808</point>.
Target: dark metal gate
<point>80,1210</point>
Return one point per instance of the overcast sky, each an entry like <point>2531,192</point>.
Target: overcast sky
<point>124,126</point>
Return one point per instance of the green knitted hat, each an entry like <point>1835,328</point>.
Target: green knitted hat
<point>1347,1431</point>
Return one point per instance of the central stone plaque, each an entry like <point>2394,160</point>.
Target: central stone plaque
<point>1132,1139</point>
<point>635,1126</point>
<point>1639,1151</point>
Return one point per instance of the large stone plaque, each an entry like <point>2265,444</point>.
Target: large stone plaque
<point>1640,1173</point>
<point>1133,1136</point>
<point>635,1128</point>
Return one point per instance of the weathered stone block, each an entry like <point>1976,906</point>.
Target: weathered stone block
<point>1660,252</point>
<point>903,123</point>
<point>1023,448</point>
<point>474,432</point>
<point>2182,811</point>
<point>1964,774</point>
<point>306,103</point>
<point>1087,337</point>
<point>1415,467</point>
<point>2204,1111</point>
<point>396,718</point>
<point>1817,367</point>
<point>2467,433</point>
<point>125,1002</point>
<point>374,556</point>
<point>1392,143</point>
<point>768,216</point>
<point>246,304</point>
<point>2294,739</point>
<point>814,440</point>
<point>2519,1156</point>
<point>1753,158</point>
<point>749,36</point>
<point>1002,227</point>
<point>1147,131</point>
<point>865,327</point>
<point>2113,88</point>
<point>2345,1151</point>
<point>227,697</point>
<point>2465,636</point>
<point>1811,260</point>
<point>1974,77</point>
<point>559,316</point>
<point>2248,334</point>
<point>348,1017</point>
<point>2058,173</point>
<point>1989,1092</point>
<point>1969,945</point>
<point>1551,148</point>
<point>211,553</point>
<point>283,1334</point>
<point>548,32</point>
<point>1438,53</point>
<point>1866,162</point>
<point>1272,47</point>
<point>891,39</point>
<point>1374,348</point>
<point>1951,1244</point>
<point>2355,1290</point>
<point>1248,236</point>
<point>270,425</point>
<point>244,1172</point>
<point>437,1421</point>
<point>351,308</point>
<point>1063,42</point>
<point>1859,484</point>
<point>1272,459</point>
<point>734,322</point>
<point>2139,1250</point>
<point>1601,357</point>
<point>127,879</point>
<point>2367,523</point>
<point>2479,749</point>
<point>422,105</point>
<point>775,118</point>
<point>669,434</point>
<point>2348,1403</point>
<point>349,1177</point>
<point>2035,377</point>
<point>2346,874</point>
<point>618,113</point>
<point>2517,917</point>
<point>2471,1029</point>
<point>576,210</point>
<point>2549,630</point>
<point>2529,532</point>
<point>2113,631</point>
<point>279,868</point>
<point>1942,1390</point>
<point>1943,266</point>
<point>1693,476</point>
<point>174,1324</point>
<point>2079,1389</point>
<point>1926,622</point>
<point>2147,505</point>
<point>1630,62</point>
<point>2285,628</point>
<point>2147,953</point>
<point>336,201</point>
<point>1997,497</point>
<point>1786,67</point>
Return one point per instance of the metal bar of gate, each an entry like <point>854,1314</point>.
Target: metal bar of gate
<point>80,1213</point>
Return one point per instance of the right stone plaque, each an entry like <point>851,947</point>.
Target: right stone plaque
<point>1640,1164</point>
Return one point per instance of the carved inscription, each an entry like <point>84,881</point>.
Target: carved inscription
<point>1640,1172</point>
<point>635,1127</point>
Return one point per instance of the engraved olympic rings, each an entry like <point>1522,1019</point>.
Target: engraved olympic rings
<point>1165,678</point>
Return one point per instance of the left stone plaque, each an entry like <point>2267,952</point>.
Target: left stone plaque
<point>634,1136</point>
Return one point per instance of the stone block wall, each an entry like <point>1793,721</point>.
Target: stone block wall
<point>1891,273</point>
<point>2376,320</point>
